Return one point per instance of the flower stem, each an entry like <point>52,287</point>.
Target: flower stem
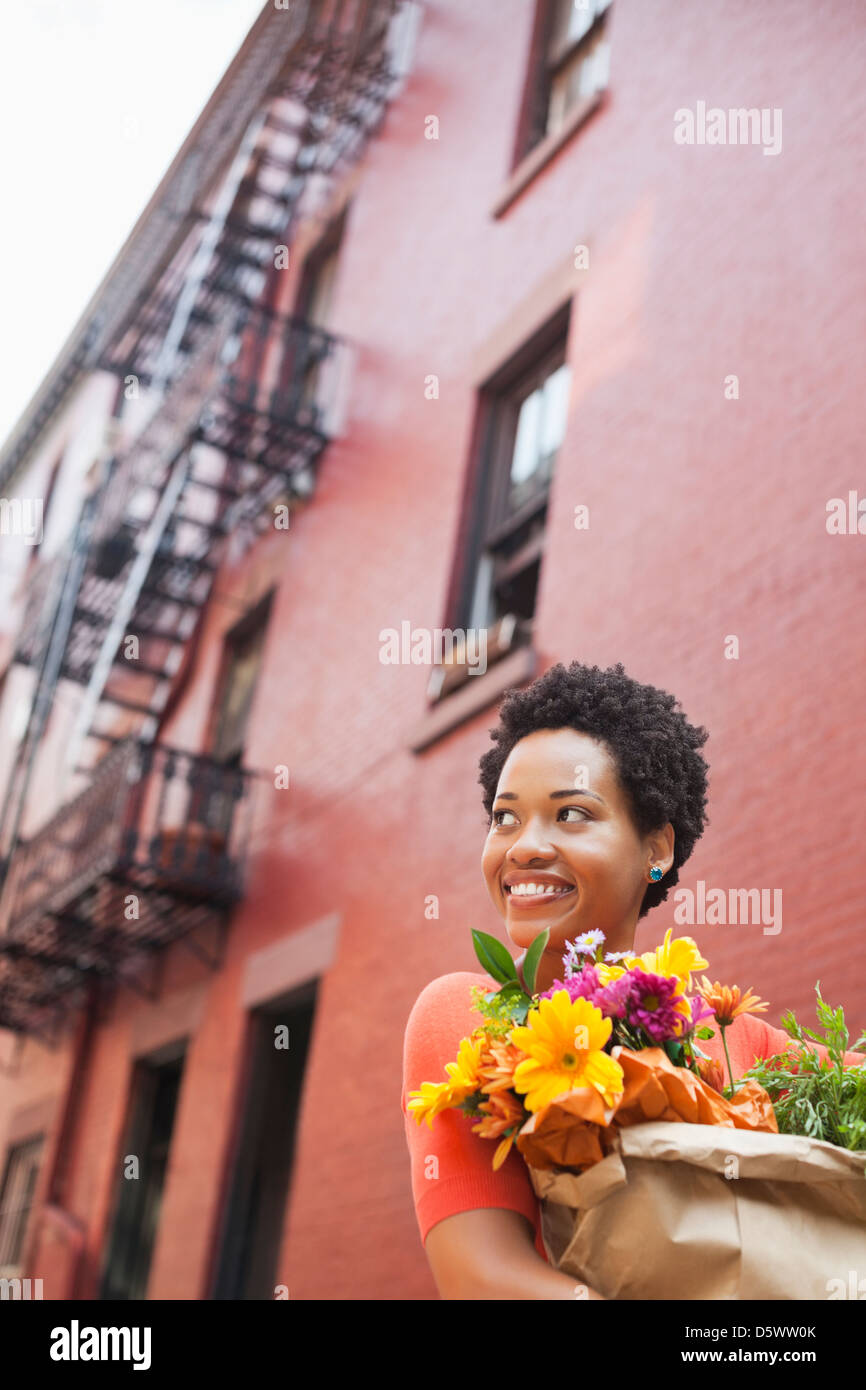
<point>727,1055</point>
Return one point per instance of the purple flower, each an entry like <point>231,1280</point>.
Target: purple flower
<point>580,986</point>
<point>652,1005</point>
<point>699,1010</point>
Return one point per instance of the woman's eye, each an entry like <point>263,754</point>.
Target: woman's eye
<point>506,812</point>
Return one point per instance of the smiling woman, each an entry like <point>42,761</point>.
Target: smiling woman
<point>595,794</point>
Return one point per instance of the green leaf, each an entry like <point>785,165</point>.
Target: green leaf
<point>533,956</point>
<point>705,1032</point>
<point>494,957</point>
<point>511,988</point>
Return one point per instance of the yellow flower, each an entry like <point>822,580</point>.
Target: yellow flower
<point>679,957</point>
<point>464,1072</point>
<point>436,1096</point>
<point>606,973</point>
<point>433,1097</point>
<point>564,1041</point>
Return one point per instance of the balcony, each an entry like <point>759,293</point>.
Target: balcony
<point>150,851</point>
<point>279,403</point>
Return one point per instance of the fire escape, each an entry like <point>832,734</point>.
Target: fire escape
<point>151,850</point>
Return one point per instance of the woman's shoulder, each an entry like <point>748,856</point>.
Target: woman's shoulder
<point>451,989</point>
<point>442,1016</point>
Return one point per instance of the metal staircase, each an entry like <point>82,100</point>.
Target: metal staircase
<point>242,403</point>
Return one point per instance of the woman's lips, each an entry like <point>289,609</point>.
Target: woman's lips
<point>529,901</point>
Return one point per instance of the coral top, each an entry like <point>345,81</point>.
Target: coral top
<point>451,1166</point>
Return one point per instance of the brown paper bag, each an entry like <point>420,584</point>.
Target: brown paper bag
<point>688,1211</point>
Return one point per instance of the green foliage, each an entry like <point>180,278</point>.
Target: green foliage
<point>471,1106</point>
<point>533,956</point>
<point>504,1008</point>
<point>493,956</point>
<point>816,1097</point>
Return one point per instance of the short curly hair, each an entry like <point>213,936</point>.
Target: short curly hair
<point>653,746</point>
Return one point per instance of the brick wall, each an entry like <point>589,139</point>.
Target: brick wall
<point>707,519</point>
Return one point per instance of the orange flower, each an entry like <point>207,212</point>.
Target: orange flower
<point>498,1061</point>
<point>726,1003</point>
<point>711,1072</point>
<point>503,1111</point>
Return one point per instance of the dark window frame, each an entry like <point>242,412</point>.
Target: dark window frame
<point>251,628</point>
<point>493,524</point>
<point>246,1240</point>
<point>25,1155</point>
<point>130,1243</point>
<point>328,244</point>
<point>309,368</point>
<point>548,58</point>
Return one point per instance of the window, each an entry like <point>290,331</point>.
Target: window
<point>400,44</point>
<point>16,1198</point>
<point>313,307</point>
<point>573,62</point>
<point>138,1198</point>
<point>317,288</point>
<point>523,423</point>
<point>278,1043</point>
<point>242,659</point>
<point>212,803</point>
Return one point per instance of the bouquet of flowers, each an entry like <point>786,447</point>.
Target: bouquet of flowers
<point>632,1134</point>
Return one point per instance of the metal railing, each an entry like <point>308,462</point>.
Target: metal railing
<point>153,816</point>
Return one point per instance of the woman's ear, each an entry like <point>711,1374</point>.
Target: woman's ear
<point>661,848</point>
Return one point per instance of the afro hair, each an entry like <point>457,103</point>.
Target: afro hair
<point>653,746</point>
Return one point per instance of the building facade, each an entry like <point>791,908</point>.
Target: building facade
<point>457,341</point>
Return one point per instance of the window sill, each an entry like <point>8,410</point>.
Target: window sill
<point>475,695</point>
<point>542,153</point>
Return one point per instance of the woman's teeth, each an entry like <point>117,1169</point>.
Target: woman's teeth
<point>536,890</point>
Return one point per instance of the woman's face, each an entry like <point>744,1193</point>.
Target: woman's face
<point>561,815</point>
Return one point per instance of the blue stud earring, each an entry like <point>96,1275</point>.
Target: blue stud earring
<point>655,873</point>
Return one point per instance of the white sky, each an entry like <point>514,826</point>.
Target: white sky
<point>96,96</point>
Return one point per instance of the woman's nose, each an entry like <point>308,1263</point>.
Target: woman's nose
<point>532,844</point>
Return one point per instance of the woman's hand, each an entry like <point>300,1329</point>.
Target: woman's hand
<point>489,1253</point>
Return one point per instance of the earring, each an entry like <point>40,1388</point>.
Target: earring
<point>656,873</point>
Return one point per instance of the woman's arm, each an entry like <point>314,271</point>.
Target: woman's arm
<point>489,1253</point>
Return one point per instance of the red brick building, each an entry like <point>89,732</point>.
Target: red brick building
<point>532,321</point>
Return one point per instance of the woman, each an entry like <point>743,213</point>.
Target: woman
<point>595,781</point>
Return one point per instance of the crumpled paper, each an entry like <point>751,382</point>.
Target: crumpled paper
<point>695,1211</point>
<point>577,1128</point>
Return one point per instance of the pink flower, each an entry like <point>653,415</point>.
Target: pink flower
<point>652,1006</point>
<point>614,998</point>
